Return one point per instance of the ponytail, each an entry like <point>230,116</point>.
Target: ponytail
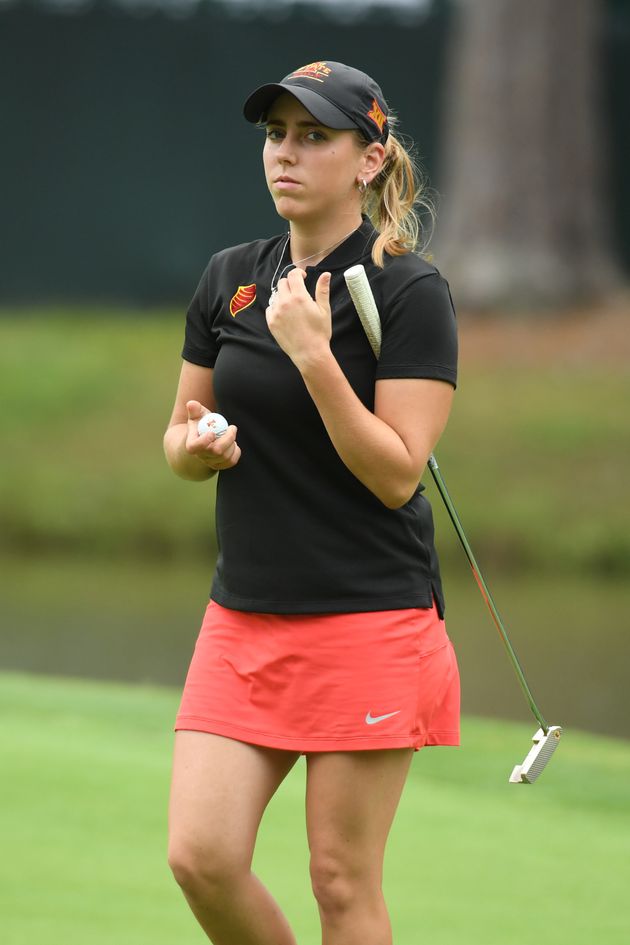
<point>393,202</point>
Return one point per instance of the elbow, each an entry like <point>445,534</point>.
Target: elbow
<point>397,491</point>
<point>395,502</point>
<point>168,450</point>
<point>397,486</point>
<point>395,498</point>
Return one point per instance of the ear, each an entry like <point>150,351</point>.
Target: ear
<point>372,160</point>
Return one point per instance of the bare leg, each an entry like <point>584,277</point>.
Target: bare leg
<point>219,792</point>
<point>351,800</point>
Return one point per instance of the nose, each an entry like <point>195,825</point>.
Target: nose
<point>285,152</point>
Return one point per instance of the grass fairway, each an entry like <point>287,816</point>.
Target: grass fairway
<point>538,431</point>
<point>471,859</point>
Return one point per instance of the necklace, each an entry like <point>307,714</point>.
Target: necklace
<point>274,288</point>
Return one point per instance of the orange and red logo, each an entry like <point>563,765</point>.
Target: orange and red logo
<point>377,115</point>
<point>318,71</point>
<point>242,298</point>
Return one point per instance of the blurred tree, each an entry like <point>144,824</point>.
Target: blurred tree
<point>525,220</point>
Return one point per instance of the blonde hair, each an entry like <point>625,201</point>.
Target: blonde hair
<point>395,200</point>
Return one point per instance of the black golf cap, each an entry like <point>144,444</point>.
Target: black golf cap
<point>338,96</point>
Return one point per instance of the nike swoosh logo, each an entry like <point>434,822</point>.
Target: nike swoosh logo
<point>373,719</point>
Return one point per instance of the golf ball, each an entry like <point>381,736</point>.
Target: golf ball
<point>214,422</point>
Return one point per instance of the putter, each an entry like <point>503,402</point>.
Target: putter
<point>547,737</point>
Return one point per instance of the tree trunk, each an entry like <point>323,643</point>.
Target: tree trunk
<point>524,219</point>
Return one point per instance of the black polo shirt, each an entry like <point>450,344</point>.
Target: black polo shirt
<point>297,532</point>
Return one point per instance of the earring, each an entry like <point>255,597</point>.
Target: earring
<point>362,184</point>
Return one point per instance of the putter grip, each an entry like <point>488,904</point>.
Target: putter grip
<point>361,294</point>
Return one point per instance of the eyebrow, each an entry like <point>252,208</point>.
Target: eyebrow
<point>300,124</point>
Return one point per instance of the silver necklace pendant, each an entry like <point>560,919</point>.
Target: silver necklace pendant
<point>274,288</point>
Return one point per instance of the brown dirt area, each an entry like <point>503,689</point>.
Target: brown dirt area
<point>598,334</point>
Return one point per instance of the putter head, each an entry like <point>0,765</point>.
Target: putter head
<point>544,747</point>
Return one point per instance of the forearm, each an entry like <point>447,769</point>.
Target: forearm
<point>368,446</point>
<point>183,463</point>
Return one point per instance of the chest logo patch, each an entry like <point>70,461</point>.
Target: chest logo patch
<point>242,298</point>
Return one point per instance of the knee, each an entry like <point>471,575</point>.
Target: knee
<point>200,869</point>
<point>184,865</point>
<point>337,886</point>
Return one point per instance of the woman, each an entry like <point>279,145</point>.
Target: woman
<point>324,633</point>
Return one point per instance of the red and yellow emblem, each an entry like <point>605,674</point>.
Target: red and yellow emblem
<point>377,115</point>
<point>314,70</point>
<point>242,298</point>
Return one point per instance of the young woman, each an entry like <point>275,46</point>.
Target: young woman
<point>324,634</point>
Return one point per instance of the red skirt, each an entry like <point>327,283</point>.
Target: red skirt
<point>324,682</point>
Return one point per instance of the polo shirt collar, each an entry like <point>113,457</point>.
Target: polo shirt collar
<point>353,248</point>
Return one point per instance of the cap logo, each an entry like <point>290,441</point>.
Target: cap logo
<point>377,115</point>
<point>318,71</point>
<point>242,298</point>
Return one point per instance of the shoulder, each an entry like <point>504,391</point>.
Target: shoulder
<point>235,266</point>
<point>411,279</point>
<point>408,268</point>
<point>419,336</point>
<point>254,253</point>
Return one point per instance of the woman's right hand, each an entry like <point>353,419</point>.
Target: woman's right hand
<point>216,452</point>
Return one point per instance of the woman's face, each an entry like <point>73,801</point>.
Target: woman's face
<point>311,170</point>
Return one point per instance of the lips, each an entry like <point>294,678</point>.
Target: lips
<point>286,183</point>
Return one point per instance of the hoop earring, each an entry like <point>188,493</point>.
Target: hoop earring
<point>362,185</point>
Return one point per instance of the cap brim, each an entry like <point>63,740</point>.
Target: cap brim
<point>260,101</point>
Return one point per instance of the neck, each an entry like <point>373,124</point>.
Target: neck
<point>315,241</point>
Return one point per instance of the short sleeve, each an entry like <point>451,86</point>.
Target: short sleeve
<point>420,332</point>
<point>200,345</point>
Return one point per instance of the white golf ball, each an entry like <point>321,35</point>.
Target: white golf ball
<point>214,422</point>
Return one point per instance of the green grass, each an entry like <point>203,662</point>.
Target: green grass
<point>471,858</point>
<point>535,456</point>
<point>85,401</point>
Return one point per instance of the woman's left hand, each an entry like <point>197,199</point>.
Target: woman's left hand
<point>301,325</point>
